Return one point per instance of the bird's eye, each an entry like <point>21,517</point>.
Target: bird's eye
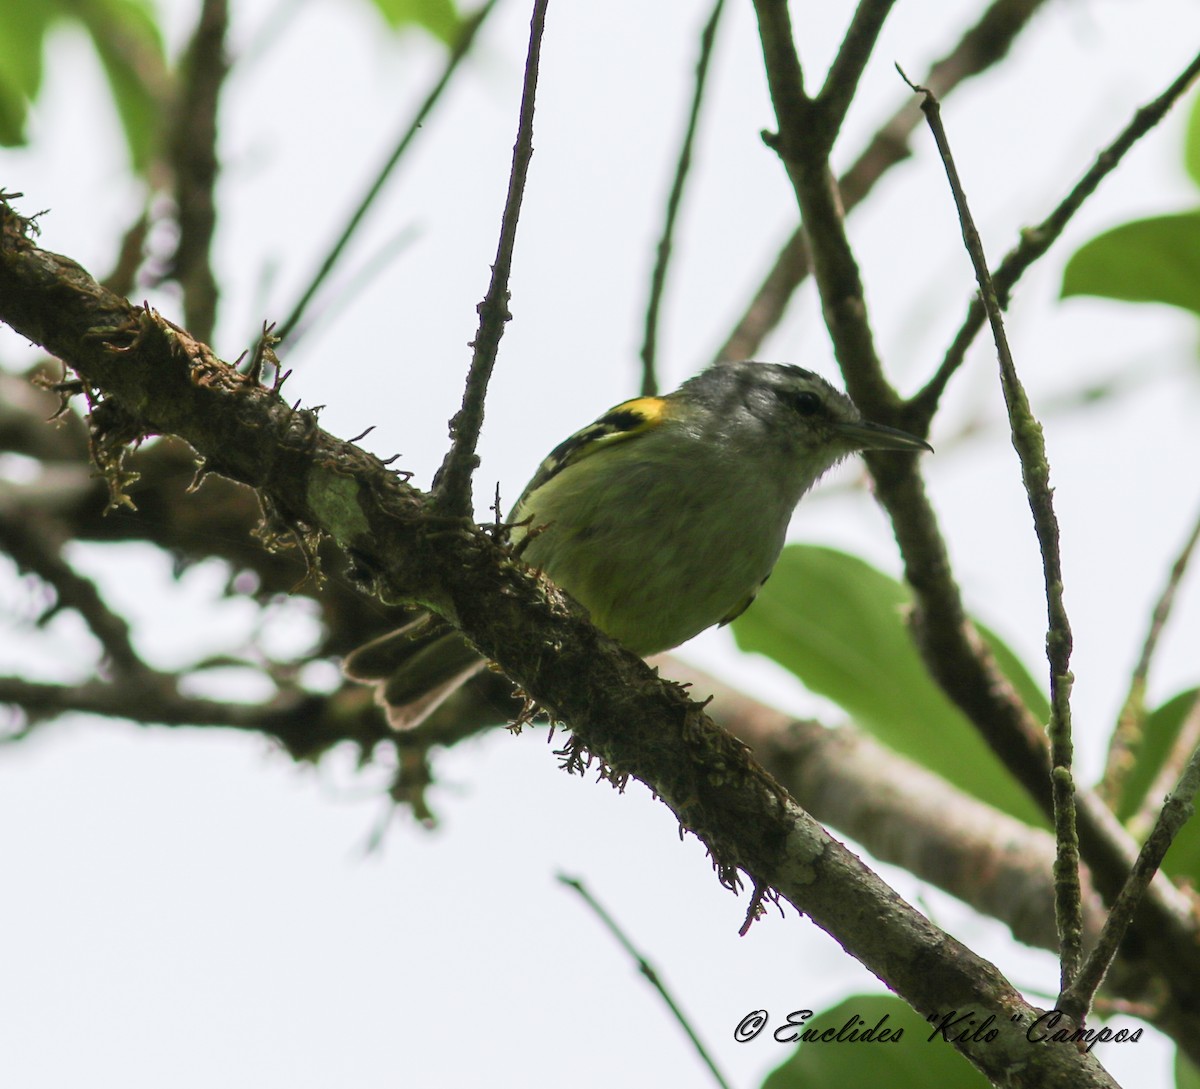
<point>803,402</point>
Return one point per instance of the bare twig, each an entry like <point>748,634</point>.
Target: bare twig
<point>193,152</point>
<point>452,484</point>
<point>802,145</point>
<point>648,970</point>
<point>1035,472</point>
<point>1131,722</point>
<point>1077,997</point>
<point>305,723</point>
<point>353,284</point>
<point>784,74</point>
<point>983,45</point>
<point>663,254</point>
<point>466,38</point>
<point>841,82</point>
<point>1035,241</point>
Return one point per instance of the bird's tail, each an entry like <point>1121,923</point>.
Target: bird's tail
<point>414,669</point>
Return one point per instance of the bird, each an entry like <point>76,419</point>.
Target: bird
<point>662,518</point>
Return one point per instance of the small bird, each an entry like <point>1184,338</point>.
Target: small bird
<point>662,518</point>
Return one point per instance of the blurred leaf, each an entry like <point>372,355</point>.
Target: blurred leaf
<point>1148,260</point>
<point>22,31</point>
<point>911,1062</point>
<point>12,115</point>
<point>1191,143</point>
<point>1186,1074</point>
<point>1162,728</point>
<point>439,17</point>
<point>838,625</point>
<point>1182,861</point>
<point>129,43</point>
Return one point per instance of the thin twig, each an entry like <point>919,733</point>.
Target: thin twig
<point>1131,722</point>
<point>1028,441</point>
<point>354,284</point>
<point>982,46</point>
<point>305,723</point>
<point>802,145</point>
<point>648,970</point>
<point>663,255</point>
<point>785,76</point>
<point>841,82</point>
<point>1179,807</point>
<point>452,484</point>
<point>1035,241</point>
<point>462,46</point>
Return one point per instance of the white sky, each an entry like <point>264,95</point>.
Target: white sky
<point>190,908</point>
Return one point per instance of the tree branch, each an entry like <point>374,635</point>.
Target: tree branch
<point>841,82</point>
<point>157,378</point>
<point>805,157</point>
<point>902,813</point>
<point>306,724</point>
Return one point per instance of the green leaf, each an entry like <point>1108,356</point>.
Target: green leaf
<point>1162,728</point>
<point>912,1061</point>
<point>129,44</point>
<point>12,115</point>
<point>127,40</point>
<point>1191,143</point>
<point>1182,861</point>
<point>1158,739</point>
<point>1186,1074</point>
<point>1148,260</point>
<point>838,625</point>
<point>22,34</point>
<point>439,17</point>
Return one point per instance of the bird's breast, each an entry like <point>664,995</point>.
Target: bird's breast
<point>660,540</point>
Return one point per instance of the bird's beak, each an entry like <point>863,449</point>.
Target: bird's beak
<point>865,435</point>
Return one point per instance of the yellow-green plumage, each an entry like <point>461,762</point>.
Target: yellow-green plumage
<point>662,518</point>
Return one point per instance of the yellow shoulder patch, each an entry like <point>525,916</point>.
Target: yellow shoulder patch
<point>622,422</point>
